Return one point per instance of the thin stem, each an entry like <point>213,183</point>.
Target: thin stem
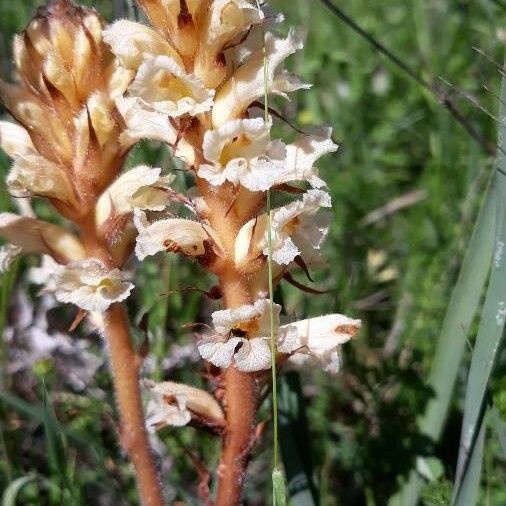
<point>269,272</point>
<point>273,337</point>
<point>134,439</point>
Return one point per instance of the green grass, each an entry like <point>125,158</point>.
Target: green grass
<point>397,274</point>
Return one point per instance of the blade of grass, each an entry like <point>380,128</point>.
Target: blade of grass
<point>451,344</point>
<point>491,328</point>
<point>12,491</point>
<point>459,316</point>
<point>55,442</point>
<point>471,483</point>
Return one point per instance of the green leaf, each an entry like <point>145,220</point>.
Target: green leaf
<point>12,491</point>
<point>491,328</point>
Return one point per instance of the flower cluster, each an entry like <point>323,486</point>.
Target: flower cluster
<point>194,80</point>
<point>200,72</point>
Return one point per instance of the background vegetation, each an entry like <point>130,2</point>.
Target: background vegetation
<point>406,185</point>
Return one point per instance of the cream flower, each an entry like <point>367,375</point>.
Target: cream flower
<point>295,228</point>
<point>8,253</point>
<point>303,154</point>
<point>241,336</point>
<point>139,188</point>
<point>15,140</point>
<point>320,338</point>
<point>165,87</point>
<point>36,236</point>
<point>32,174</point>
<point>225,20</point>
<point>45,273</point>
<point>90,285</point>
<point>248,82</point>
<point>175,403</point>
<point>164,410</point>
<point>240,151</point>
<point>171,235</point>
<point>131,42</point>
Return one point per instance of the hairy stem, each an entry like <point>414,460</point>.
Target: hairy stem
<point>125,366</point>
<point>134,439</point>
<point>241,400</point>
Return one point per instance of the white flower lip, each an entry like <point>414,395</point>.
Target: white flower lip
<point>247,84</point>
<point>295,229</point>
<point>241,338</point>
<point>139,188</point>
<point>303,154</point>
<point>175,403</point>
<point>320,338</point>
<point>171,235</point>
<point>163,86</point>
<point>8,253</point>
<point>162,413</point>
<point>240,151</point>
<point>90,285</point>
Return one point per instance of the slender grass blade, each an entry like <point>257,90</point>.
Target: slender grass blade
<point>470,489</point>
<point>491,328</point>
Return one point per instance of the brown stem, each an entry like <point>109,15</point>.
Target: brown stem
<point>134,439</point>
<point>241,400</point>
<point>125,365</point>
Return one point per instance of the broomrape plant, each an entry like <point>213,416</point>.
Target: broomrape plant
<point>84,96</point>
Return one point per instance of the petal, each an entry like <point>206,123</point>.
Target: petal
<point>131,42</point>
<point>101,111</point>
<point>324,333</point>
<point>144,124</point>
<point>224,22</point>
<point>141,187</point>
<point>32,174</point>
<point>251,320</point>
<point>254,355</point>
<point>90,285</point>
<point>14,140</point>
<point>172,234</point>
<point>217,351</point>
<point>165,87</point>
<point>247,83</point>
<point>241,152</point>
<point>35,236</point>
<point>303,154</point>
<point>45,273</point>
<point>161,413</point>
<point>198,401</point>
<point>249,242</point>
<point>8,254</point>
<point>294,227</point>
